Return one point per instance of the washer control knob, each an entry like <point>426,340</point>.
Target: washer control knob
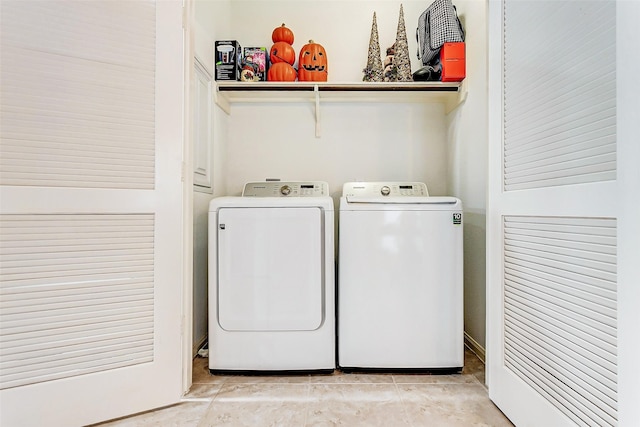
<point>285,190</point>
<point>385,190</point>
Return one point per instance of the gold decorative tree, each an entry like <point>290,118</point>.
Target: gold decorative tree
<point>373,72</point>
<point>401,59</point>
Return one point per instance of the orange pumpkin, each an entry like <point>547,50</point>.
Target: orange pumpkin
<point>312,63</point>
<point>281,72</point>
<point>282,34</point>
<point>282,52</point>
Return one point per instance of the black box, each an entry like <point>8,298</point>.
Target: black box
<point>227,60</point>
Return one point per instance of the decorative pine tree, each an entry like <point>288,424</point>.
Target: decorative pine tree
<point>401,57</point>
<point>373,71</point>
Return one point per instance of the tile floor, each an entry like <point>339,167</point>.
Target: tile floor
<point>339,399</point>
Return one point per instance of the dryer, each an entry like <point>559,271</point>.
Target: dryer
<point>400,295</point>
<point>271,279</point>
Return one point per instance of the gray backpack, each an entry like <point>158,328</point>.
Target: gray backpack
<point>437,25</point>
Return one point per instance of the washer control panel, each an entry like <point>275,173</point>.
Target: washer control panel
<point>385,189</point>
<point>286,189</point>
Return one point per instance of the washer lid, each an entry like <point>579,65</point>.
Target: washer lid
<point>391,200</point>
<point>286,189</point>
<point>388,189</point>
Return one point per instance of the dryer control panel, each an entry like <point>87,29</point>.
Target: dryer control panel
<point>391,189</point>
<point>286,189</point>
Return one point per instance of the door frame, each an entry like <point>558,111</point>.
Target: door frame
<point>187,182</point>
<point>628,157</point>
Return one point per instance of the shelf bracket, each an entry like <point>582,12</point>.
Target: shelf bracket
<point>221,101</point>
<point>452,104</point>
<point>316,91</point>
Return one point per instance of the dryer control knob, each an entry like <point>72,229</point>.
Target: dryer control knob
<point>285,190</point>
<point>385,190</point>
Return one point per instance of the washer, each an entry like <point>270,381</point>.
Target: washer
<point>271,279</point>
<point>400,295</point>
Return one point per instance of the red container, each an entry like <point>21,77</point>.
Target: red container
<point>453,62</point>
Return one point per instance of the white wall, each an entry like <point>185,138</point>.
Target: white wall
<point>467,161</point>
<point>341,27</point>
<point>366,142</point>
<point>373,141</point>
<point>211,23</point>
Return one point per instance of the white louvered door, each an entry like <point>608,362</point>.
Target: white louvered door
<point>91,245</point>
<point>562,256</point>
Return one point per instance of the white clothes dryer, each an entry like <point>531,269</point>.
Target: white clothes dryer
<point>271,279</point>
<point>400,294</point>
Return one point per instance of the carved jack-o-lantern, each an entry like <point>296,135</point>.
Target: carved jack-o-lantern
<point>312,63</point>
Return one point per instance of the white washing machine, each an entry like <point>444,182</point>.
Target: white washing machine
<point>400,295</point>
<point>271,279</point>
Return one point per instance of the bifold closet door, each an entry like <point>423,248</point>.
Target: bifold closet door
<point>91,212</point>
<point>562,264</point>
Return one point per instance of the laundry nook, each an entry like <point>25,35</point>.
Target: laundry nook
<point>303,213</point>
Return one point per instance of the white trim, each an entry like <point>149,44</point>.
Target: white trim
<point>628,193</point>
<point>475,347</point>
<point>187,177</point>
<point>494,323</point>
<point>197,345</point>
<point>202,173</point>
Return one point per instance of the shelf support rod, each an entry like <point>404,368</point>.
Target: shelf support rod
<point>316,90</point>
